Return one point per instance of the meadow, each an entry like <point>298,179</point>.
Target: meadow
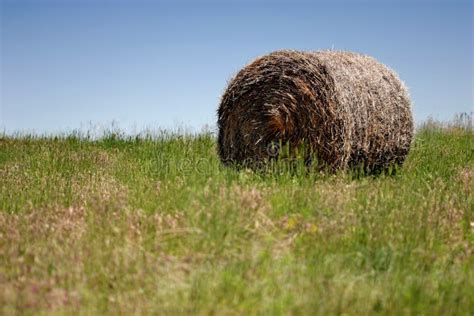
<point>156,225</point>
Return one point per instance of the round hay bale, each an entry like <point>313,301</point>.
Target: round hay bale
<point>346,108</point>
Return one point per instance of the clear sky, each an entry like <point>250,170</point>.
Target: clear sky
<point>160,64</point>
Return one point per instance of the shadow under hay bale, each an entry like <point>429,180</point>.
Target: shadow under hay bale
<point>345,109</point>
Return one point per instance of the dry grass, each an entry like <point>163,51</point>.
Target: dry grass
<point>339,108</point>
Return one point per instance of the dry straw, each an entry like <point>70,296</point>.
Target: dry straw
<point>347,109</point>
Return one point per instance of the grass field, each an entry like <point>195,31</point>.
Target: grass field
<point>157,225</point>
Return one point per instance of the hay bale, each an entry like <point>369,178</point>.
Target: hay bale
<point>348,109</point>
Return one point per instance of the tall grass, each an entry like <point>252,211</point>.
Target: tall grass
<point>155,224</point>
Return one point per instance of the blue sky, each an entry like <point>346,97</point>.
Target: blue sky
<point>160,64</point>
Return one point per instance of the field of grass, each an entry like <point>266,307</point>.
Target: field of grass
<point>157,225</point>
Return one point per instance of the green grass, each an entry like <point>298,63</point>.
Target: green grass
<point>157,225</point>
